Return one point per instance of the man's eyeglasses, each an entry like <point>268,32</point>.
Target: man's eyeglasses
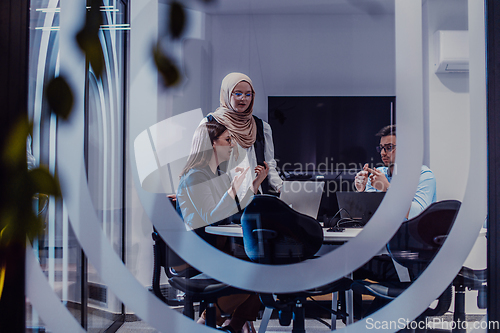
<point>388,148</point>
<point>238,95</point>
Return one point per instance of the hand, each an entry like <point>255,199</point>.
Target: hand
<point>237,181</point>
<point>379,180</point>
<point>361,179</point>
<point>261,174</point>
<point>172,197</point>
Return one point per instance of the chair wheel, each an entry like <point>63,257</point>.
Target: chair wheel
<point>285,317</point>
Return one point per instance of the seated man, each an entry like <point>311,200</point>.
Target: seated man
<point>381,268</point>
<point>379,179</point>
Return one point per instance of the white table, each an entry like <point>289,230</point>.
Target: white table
<point>234,230</point>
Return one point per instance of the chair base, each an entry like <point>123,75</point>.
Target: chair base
<point>293,307</point>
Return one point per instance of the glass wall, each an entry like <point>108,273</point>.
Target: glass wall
<point>72,277</point>
<point>339,49</point>
<point>137,134</point>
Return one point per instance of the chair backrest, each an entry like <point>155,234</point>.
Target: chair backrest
<point>274,233</point>
<point>420,238</point>
<point>163,255</point>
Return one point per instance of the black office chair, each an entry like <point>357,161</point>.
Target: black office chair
<point>205,291</point>
<point>275,234</point>
<point>472,280</point>
<point>414,246</point>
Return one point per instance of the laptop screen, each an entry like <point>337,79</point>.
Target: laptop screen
<point>303,197</point>
<point>359,206</point>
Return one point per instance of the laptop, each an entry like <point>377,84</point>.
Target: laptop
<point>359,206</point>
<point>303,196</point>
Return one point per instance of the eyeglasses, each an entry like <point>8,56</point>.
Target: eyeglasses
<point>388,148</point>
<point>238,95</point>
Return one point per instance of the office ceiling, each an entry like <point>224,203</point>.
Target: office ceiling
<point>372,7</point>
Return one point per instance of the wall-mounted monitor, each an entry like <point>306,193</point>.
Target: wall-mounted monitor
<point>328,133</point>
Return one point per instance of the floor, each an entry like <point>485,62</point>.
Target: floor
<point>135,325</point>
<point>312,326</point>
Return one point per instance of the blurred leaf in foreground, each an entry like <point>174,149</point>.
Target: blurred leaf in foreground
<point>88,38</point>
<point>177,19</point>
<point>166,67</point>
<point>14,152</point>
<point>59,96</point>
<point>43,182</point>
<point>25,188</point>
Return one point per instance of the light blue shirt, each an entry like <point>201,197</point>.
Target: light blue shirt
<point>426,190</point>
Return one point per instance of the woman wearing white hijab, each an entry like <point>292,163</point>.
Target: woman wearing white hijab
<point>253,137</point>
